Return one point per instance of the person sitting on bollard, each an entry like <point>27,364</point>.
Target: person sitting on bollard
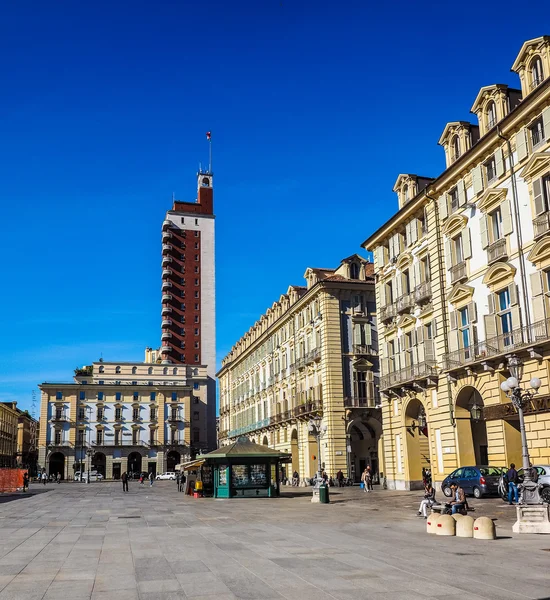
<point>458,504</point>
<point>427,502</point>
<point>512,478</point>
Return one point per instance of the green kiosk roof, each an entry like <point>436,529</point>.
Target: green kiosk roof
<point>243,448</point>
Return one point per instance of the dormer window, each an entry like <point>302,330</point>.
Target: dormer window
<point>102,369</point>
<point>537,74</point>
<point>491,115</point>
<point>405,193</point>
<point>455,148</point>
<point>354,271</point>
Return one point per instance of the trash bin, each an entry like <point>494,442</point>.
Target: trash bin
<point>323,494</point>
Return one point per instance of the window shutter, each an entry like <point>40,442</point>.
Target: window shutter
<point>490,326</point>
<point>420,353</point>
<point>448,253</point>
<point>516,321</point>
<point>357,334</point>
<point>483,231</point>
<point>491,303</point>
<point>419,334</point>
<point>443,208</point>
<point>461,193</point>
<point>477,180</point>
<point>537,291</point>
<point>538,196</point>
<point>472,312</point>
<point>398,286</point>
<point>546,123</point>
<point>368,334</point>
<point>507,226</point>
<point>453,341</point>
<point>382,293</point>
<point>466,243</point>
<point>499,162</point>
<point>375,256</point>
<point>521,144</point>
<point>429,353</point>
<point>414,230</point>
<point>453,319</point>
<point>513,289</point>
<point>417,273</point>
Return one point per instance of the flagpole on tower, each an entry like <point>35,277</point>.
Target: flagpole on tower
<point>209,138</point>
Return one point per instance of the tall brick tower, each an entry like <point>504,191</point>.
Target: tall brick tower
<point>188,288</point>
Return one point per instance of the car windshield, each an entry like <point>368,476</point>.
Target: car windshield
<point>491,471</point>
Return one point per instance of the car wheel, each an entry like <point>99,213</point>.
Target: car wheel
<point>447,491</point>
<point>477,493</point>
<point>545,494</point>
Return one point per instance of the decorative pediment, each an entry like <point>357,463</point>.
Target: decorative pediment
<point>491,198</point>
<point>390,331</point>
<point>540,252</point>
<point>488,92</point>
<point>455,225</point>
<point>536,165</point>
<point>528,49</point>
<point>500,273</point>
<point>461,293</point>
<point>406,321</point>
<point>452,128</point>
<point>405,260</point>
<point>362,364</point>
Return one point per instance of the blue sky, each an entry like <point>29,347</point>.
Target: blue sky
<point>314,108</point>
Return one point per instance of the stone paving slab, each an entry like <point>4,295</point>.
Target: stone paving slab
<point>92,542</point>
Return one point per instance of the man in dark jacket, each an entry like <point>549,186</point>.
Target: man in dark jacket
<point>512,477</point>
<point>459,498</point>
<point>124,478</point>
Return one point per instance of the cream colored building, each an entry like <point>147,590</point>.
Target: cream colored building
<point>314,352</point>
<point>463,284</point>
<point>123,417</point>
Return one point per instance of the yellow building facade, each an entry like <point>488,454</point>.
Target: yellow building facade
<point>463,285</point>
<point>314,352</point>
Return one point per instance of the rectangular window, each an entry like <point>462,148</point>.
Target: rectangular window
<point>196,232</point>
<point>453,194</point>
<point>496,225</point>
<point>117,437</point>
<point>541,194</point>
<point>57,437</point>
<point>196,269</point>
<point>196,386</point>
<point>196,223</point>
<point>425,268</point>
<point>80,438</point>
<point>196,245</point>
<point>505,315</point>
<point>196,358</point>
<point>195,400</point>
<point>464,327</point>
<point>99,415</point>
<point>196,282</point>
<point>196,257</point>
<point>59,395</point>
<point>100,396</point>
<point>196,294</point>
<point>183,219</point>
<point>99,437</point>
<point>389,292</point>
<point>82,396</point>
<point>197,345</point>
<point>406,281</point>
<point>153,414</point>
<point>101,382</point>
<point>118,413</point>
<point>153,396</point>
<point>81,414</point>
<point>135,436</point>
<point>174,395</point>
<point>536,131</point>
<point>196,331</point>
<point>135,414</point>
<point>458,249</point>
<point>391,356</point>
<point>118,396</point>
<point>136,396</point>
<point>490,169</point>
<point>197,438</point>
<point>196,318</point>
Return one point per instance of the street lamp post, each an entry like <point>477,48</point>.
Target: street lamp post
<point>89,450</point>
<point>315,428</point>
<point>519,399</point>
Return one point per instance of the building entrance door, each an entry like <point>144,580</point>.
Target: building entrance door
<point>116,471</point>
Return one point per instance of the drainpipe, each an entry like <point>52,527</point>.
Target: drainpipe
<point>518,230</point>
<point>442,284</point>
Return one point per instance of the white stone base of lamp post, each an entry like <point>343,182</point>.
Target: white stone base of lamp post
<point>315,497</point>
<point>532,518</point>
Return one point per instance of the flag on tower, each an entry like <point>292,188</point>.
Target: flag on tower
<point>208,135</point>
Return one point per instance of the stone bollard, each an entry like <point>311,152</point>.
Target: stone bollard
<point>457,516</point>
<point>465,527</point>
<point>445,525</point>
<point>484,529</point>
<point>431,522</point>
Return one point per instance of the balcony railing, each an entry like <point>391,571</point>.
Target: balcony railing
<point>60,444</point>
<point>516,339</point>
<point>388,312</point>
<point>363,349</point>
<point>109,443</point>
<point>407,374</point>
<point>423,292</point>
<point>458,272</point>
<point>497,251</point>
<point>60,419</point>
<point>405,302</point>
<point>541,224</point>
<point>312,356</point>
<point>360,402</point>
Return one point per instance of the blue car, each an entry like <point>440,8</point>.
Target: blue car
<point>475,481</point>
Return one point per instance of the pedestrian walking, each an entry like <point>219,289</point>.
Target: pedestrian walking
<point>340,478</point>
<point>364,481</point>
<point>512,477</point>
<point>25,482</point>
<point>58,478</point>
<point>141,479</point>
<point>44,478</point>
<point>124,478</point>
<point>151,479</point>
<point>178,481</point>
<point>369,479</point>
<point>181,486</point>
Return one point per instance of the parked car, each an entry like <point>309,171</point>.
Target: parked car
<point>171,475</point>
<point>478,481</point>
<point>544,482</point>
<point>94,476</point>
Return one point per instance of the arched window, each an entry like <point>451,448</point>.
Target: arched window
<point>455,147</point>
<point>354,271</point>
<point>102,369</point>
<point>537,74</point>
<point>175,371</point>
<point>406,193</point>
<point>134,370</point>
<point>165,371</point>
<point>150,371</point>
<point>117,370</point>
<point>491,115</point>
<point>205,182</point>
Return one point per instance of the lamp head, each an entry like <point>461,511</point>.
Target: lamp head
<point>535,383</point>
<point>512,382</point>
<point>505,387</point>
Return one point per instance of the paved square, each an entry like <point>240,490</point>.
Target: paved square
<point>79,541</point>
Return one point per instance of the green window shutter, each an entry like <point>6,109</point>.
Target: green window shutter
<point>546,123</point>
<point>461,193</point>
<point>477,180</point>
<point>414,230</point>
<point>368,334</point>
<point>466,243</point>
<point>507,226</point>
<point>443,207</point>
<point>491,330</point>
<point>417,274</point>
<point>539,301</point>
<point>483,231</point>
<point>521,144</point>
<point>357,334</point>
<point>538,196</point>
<point>499,162</point>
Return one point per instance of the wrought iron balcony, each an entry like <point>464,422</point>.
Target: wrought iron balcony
<point>115,443</point>
<point>360,402</point>
<point>405,302</point>
<point>59,419</point>
<point>535,83</point>
<point>365,349</point>
<point>541,224</point>
<point>423,292</point>
<point>388,312</point>
<point>408,374</point>
<point>458,272</point>
<point>497,251</point>
<point>60,444</point>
